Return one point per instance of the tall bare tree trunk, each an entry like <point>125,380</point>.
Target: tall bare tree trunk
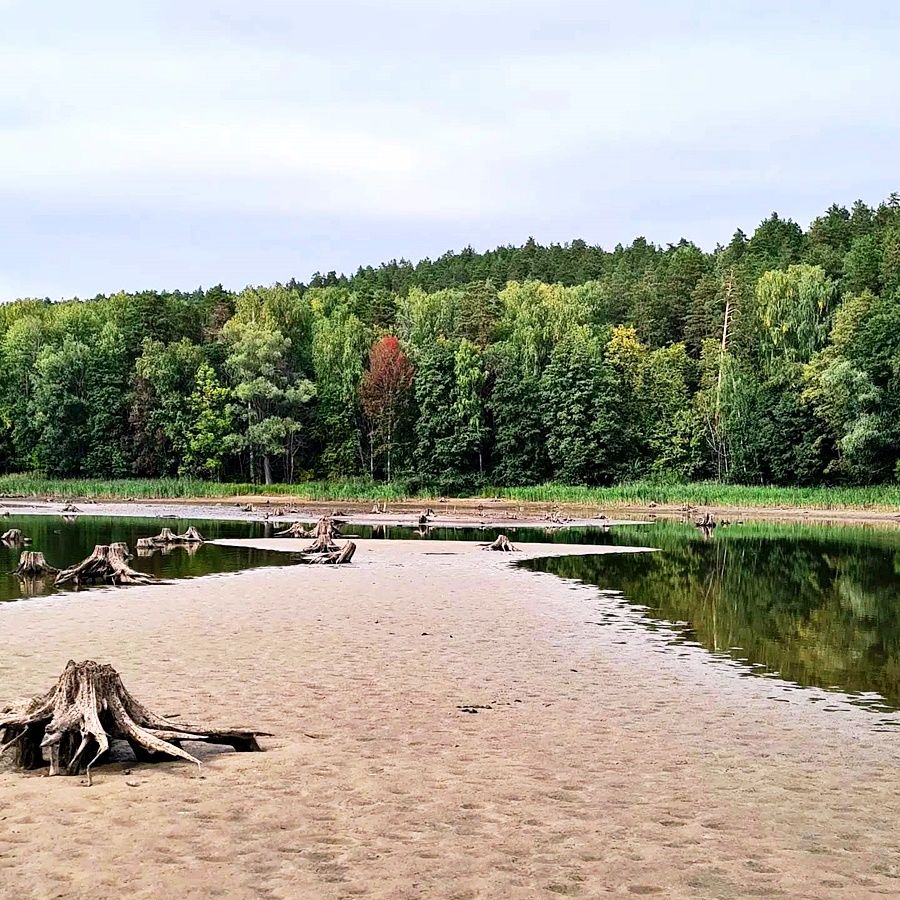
<point>721,452</point>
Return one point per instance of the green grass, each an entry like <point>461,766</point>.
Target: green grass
<point>639,493</point>
<point>27,485</point>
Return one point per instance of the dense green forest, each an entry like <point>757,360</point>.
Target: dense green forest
<point>774,359</point>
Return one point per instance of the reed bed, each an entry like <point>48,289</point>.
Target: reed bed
<point>639,493</point>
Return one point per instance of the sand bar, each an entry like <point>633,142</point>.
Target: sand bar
<point>599,761</point>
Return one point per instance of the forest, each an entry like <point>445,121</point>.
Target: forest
<point>772,360</point>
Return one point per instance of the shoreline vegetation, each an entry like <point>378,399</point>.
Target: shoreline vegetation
<point>772,360</point>
<point>639,493</point>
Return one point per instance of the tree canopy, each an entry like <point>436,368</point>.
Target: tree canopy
<point>774,358</point>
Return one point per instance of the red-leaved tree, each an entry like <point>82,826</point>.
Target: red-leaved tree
<point>384,392</point>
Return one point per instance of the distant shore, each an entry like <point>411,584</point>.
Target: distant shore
<point>493,513</point>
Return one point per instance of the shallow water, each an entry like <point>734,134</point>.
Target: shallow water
<point>814,605</point>
<point>66,542</point>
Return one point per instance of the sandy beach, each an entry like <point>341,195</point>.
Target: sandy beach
<point>594,759</point>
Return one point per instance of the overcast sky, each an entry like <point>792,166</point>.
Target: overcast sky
<point>178,144</point>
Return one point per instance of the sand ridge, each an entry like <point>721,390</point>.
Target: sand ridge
<point>596,762</point>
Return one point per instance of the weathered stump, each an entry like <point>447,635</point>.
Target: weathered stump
<point>707,523</point>
<point>85,711</point>
<point>32,564</point>
<point>322,544</point>
<point>14,537</point>
<point>70,508</point>
<point>326,528</point>
<point>297,530</point>
<point>336,557</point>
<point>167,537</point>
<point>107,564</point>
<point>501,543</point>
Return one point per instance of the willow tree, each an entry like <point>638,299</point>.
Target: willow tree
<point>794,309</point>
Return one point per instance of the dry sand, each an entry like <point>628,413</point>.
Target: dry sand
<point>600,760</point>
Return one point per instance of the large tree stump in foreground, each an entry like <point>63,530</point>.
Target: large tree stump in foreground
<point>87,709</point>
<point>32,564</point>
<point>106,565</point>
<point>501,543</point>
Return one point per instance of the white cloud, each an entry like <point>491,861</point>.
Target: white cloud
<point>463,117</point>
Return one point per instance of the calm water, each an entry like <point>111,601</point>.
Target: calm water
<point>817,606</point>
<point>65,543</point>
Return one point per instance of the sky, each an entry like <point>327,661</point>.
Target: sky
<point>184,143</point>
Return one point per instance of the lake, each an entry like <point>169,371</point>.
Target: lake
<point>65,542</point>
<point>814,605</point>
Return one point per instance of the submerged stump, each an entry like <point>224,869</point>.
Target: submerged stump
<point>86,710</point>
<point>108,564</point>
<point>14,537</point>
<point>32,564</point>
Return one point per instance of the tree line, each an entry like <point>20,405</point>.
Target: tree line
<point>774,359</point>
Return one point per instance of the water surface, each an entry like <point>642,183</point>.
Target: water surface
<point>815,605</point>
<point>66,541</point>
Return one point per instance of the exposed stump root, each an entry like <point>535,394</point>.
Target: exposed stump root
<point>336,557</point>
<point>14,537</point>
<point>167,537</point>
<point>85,711</point>
<point>106,565</point>
<point>326,528</point>
<point>501,543</point>
<point>297,530</point>
<point>707,522</point>
<point>33,565</point>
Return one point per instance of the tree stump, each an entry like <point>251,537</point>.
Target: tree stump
<point>297,530</point>
<point>14,537</point>
<point>322,544</point>
<point>107,564</point>
<point>167,537</point>
<point>336,557</point>
<point>33,565</point>
<point>87,709</point>
<point>325,528</point>
<point>501,543</point>
<point>707,523</point>
<point>70,508</point>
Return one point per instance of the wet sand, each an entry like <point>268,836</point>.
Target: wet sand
<point>598,760</point>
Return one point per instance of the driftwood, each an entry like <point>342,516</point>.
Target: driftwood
<point>85,711</point>
<point>14,537</point>
<point>107,564</point>
<point>70,508</point>
<point>501,543</point>
<point>33,565</point>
